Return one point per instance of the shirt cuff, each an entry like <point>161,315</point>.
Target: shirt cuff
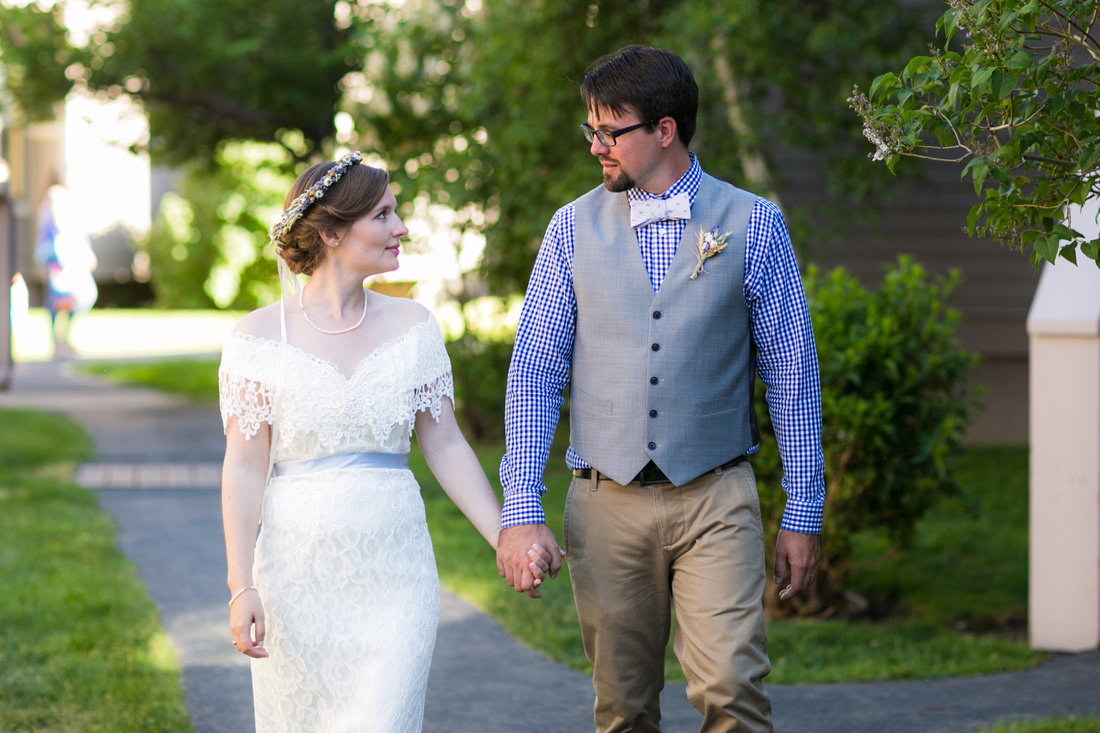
<point>802,517</point>
<point>522,507</point>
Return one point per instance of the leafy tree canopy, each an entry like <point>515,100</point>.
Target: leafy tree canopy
<point>205,71</point>
<point>480,109</point>
<point>1017,101</point>
<point>474,104</point>
<point>34,51</point>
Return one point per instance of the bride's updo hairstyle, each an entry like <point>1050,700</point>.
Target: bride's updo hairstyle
<point>351,191</point>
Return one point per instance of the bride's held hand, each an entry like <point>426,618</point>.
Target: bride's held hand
<point>540,562</point>
<point>245,614</point>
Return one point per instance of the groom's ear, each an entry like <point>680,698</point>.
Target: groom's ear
<point>666,131</point>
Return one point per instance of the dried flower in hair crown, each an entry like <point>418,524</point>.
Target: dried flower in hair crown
<point>316,192</point>
<point>708,245</point>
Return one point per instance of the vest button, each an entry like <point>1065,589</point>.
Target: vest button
<point>656,314</point>
<point>653,413</point>
<point>652,446</point>
<point>653,380</point>
<point>656,347</point>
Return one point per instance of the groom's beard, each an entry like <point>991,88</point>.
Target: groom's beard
<point>618,183</point>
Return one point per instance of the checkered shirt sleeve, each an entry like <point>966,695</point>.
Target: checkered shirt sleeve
<point>539,373</point>
<point>786,363</point>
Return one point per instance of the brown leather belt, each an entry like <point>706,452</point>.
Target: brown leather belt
<point>651,474</point>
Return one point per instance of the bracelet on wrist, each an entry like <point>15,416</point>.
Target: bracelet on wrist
<point>242,590</point>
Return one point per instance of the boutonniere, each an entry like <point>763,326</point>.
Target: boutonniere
<point>709,244</point>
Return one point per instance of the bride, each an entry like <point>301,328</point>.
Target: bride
<point>337,599</point>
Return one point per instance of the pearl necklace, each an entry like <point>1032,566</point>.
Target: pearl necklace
<point>302,305</point>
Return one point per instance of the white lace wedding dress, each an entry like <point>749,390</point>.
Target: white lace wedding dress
<point>344,563</point>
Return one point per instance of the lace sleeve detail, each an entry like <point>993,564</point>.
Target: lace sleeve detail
<point>432,378</point>
<point>246,389</point>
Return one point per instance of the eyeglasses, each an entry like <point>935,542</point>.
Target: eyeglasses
<point>607,137</point>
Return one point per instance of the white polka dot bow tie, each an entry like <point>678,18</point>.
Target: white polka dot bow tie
<point>647,211</point>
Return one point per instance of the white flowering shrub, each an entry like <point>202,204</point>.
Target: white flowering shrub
<point>1014,96</point>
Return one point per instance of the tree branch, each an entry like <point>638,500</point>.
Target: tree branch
<point>1050,161</point>
<point>959,159</point>
<point>213,105</point>
<point>1054,12</point>
<point>752,162</point>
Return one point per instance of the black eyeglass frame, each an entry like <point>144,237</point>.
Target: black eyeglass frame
<point>590,132</point>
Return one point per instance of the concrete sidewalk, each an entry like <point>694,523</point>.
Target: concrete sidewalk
<point>157,472</point>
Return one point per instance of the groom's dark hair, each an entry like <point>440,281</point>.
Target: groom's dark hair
<point>652,82</point>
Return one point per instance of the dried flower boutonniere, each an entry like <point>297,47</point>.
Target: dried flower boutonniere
<point>708,245</point>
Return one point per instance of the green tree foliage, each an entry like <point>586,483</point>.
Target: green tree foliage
<point>210,236</point>
<point>480,367</point>
<point>480,109</point>
<point>895,402</point>
<point>205,71</point>
<point>35,51</point>
<point>214,70</point>
<point>1017,101</point>
<point>474,104</point>
<point>773,77</point>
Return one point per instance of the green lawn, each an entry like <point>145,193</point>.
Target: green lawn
<point>968,565</point>
<point>954,604</point>
<point>196,379</point>
<point>1070,724</point>
<point>81,648</point>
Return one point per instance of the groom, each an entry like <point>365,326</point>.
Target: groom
<point>655,299</point>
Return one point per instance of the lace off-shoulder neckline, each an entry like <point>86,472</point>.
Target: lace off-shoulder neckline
<point>375,353</point>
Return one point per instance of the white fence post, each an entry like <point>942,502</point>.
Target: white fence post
<point>1063,328</point>
<point>7,269</point>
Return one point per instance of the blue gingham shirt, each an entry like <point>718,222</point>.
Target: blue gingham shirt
<point>786,357</point>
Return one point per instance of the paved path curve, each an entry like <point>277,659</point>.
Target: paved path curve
<point>157,474</point>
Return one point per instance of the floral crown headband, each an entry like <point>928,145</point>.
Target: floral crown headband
<point>316,192</point>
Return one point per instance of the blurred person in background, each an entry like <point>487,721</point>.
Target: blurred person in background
<point>64,250</point>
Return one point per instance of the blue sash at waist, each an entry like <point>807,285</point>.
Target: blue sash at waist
<point>342,460</point>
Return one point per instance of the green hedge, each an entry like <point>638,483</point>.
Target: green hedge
<point>896,398</point>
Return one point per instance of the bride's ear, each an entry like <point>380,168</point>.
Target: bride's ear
<point>331,239</point>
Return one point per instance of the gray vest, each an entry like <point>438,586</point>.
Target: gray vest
<point>666,377</point>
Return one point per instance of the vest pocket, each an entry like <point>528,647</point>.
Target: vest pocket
<point>713,407</point>
<point>581,398</point>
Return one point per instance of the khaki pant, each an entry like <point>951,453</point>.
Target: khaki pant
<point>636,551</point>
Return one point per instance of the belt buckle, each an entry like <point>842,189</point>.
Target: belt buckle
<point>651,477</point>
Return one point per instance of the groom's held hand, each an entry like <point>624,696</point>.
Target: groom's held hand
<point>513,562</point>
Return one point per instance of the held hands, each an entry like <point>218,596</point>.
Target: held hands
<point>798,554</point>
<point>245,612</point>
<point>527,553</point>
